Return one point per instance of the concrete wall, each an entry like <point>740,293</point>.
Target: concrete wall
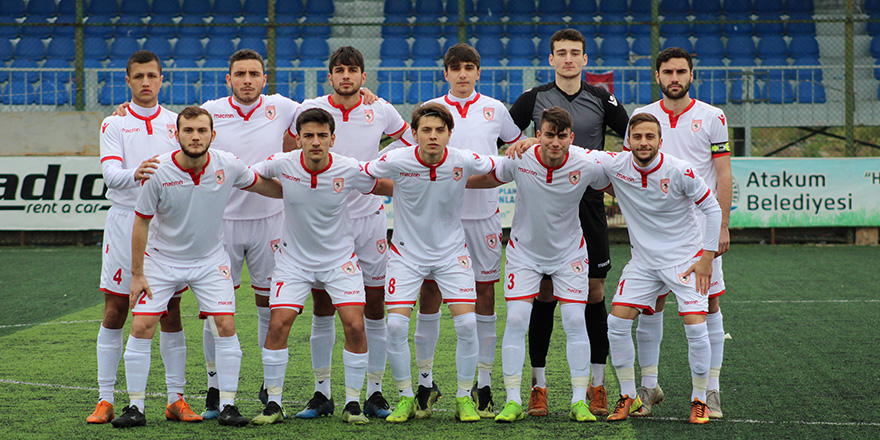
<point>50,133</point>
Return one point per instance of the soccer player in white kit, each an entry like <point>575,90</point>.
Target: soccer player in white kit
<point>546,239</point>
<point>480,122</point>
<point>129,145</point>
<point>317,246</point>
<point>671,250</point>
<point>696,132</point>
<point>187,194</point>
<point>359,127</point>
<point>429,182</point>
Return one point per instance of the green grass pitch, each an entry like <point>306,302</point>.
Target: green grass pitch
<point>801,362</point>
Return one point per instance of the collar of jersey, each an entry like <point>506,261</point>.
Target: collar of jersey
<point>549,169</point>
<point>418,158</point>
<point>645,172</point>
<point>341,107</point>
<point>457,102</point>
<point>147,119</point>
<point>192,173</point>
<point>302,161</point>
<point>673,119</point>
<point>250,113</point>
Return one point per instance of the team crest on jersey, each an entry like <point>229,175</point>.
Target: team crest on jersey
<point>224,270</point>
<point>456,173</point>
<point>574,177</point>
<point>664,186</point>
<point>275,244</point>
<point>489,113</point>
<point>464,262</point>
<point>690,173</point>
<point>684,278</point>
<point>368,116</point>
<point>338,184</point>
<point>220,176</point>
<point>270,112</point>
<point>381,245</point>
<point>696,124</point>
<point>171,129</point>
<point>577,267</point>
<point>349,268</point>
<point>492,240</point>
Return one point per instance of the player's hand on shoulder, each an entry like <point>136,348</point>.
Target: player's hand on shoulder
<point>122,110</point>
<point>521,146</point>
<point>146,169</point>
<point>369,96</point>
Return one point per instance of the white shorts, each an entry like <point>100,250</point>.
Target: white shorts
<point>454,277</point>
<point>116,258</point>
<point>571,283</point>
<point>256,240</point>
<point>716,287</point>
<point>483,238</point>
<point>370,245</point>
<point>640,287</point>
<point>211,284</point>
<point>344,284</point>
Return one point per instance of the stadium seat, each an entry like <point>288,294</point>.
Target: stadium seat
<point>19,93</point>
<point>762,6</point>
<point>494,90</point>
<point>700,30</point>
<point>317,31</point>
<point>196,7</point>
<point>678,41</point>
<point>489,71</point>
<point>183,77</point>
<point>731,29</point>
<point>63,27</point>
<point>810,74</point>
<point>287,32</point>
<point>284,50</point>
<point>319,7</point>
<point>138,8</point>
<point>421,92</point>
<point>57,63</point>
<point>214,76</point>
<point>123,47</point>
<point>773,28</point>
<point>229,7</point>
<point>179,94</point>
<point>391,75</point>
<point>188,47</point>
<point>588,30</point>
<point>299,92</point>
<point>314,47</point>
<point>402,28</point>
<point>521,48</point>
<point>615,7</point>
<point>549,6</point>
<point>258,7</point>
<point>642,46</point>
<point>426,47</point>
<point>740,47</point>
<point>523,30</point>
<point>45,8</point>
<point>223,26</point>
<point>102,31</point>
<point>130,26</point>
<point>434,72</point>
<point>320,74</point>
<point>809,27</point>
<point>95,48</point>
<point>257,44</point>
<point>642,92</point>
<point>615,46</point>
<point>738,6</point>
<point>779,92</point>
<point>62,49</point>
<point>516,76</point>
<point>294,8</point>
<point>219,48</point>
<point>9,27</point>
<point>489,47</point>
<point>394,47</point>
<point>640,8</point>
<point>208,92</point>
<point>52,93</point>
<point>612,29</point>
<point>702,72</point>
<point>544,28</point>
<point>42,31</point>
<point>712,92</point>
<point>668,28</point>
<point>282,88</point>
<point>488,7</point>
<point>161,31</point>
<point>672,6</point>
<point>392,92</point>
<point>165,7</point>
<point>709,46</point>
<point>102,7</point>
<point>810,92</point>
<point>261,31</point>
<point>480,29</point>
<point>777,74</point>
<point>31,48</point>
<point>804,46</point>
<point>581,9</point>
<point>195,27</point>
<point>396,7</point>
<point>772,46</point>
<point>31,76</point>
<point>875,47</point>
<point>6,50</point>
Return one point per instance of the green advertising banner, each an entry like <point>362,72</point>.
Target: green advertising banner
<point>805,192</point>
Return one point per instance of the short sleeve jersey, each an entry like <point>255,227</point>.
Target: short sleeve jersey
<point>253,136</point>
<point>658,204</point>
<point>358,132</point>
<point>188,207</point>
<point>545,225</point>
<point>317,231</point>
<point>480,121</point>
<point>697,135</point>
<point>428,200</point>
<point>127,141</point>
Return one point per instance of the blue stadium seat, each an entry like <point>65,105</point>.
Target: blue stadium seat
<point>582,9</point>
<point>779,92</point>
<point>738,6</point>
<point>737,28</point>
<point>762,6</point>
<point>63,26</point>
<point>772,46</point>
<point>615,7</point>
<point>13,8</point>
<point>6,50</point>
<point>421,92</point>
<point>42,31</point>
<point>678,41</point>
<point>672,6</point>
<point>489,47</point>
<point>702,72</point>
<point>30,76</point>
<point>777,27</point>
<point>196,7</point>
<point>319,7</point>
<point>404,29</point>
<point>139,8</point>
<point>494,90</point>
<point>103,31</point>
<point>809,27</point>
<point>489,72</point>
<point>612,29</point>
<point>19,93</point>
<point>589,30</point>
<point>700,30</point>
<point>642,93</point>
<point>429,7</point>
<point>549,29</point>
<point>62,49</point>
<point>282,88</point>
<point>228,30</point>
<point>214,77</point>
<point>426,47</point>
<point>430,25</point>
<point>668,28</point>
<point>130,26</point>
<point>52,93</point>
<point>489,7</point>
<point>257,44</point>
<point>219,48</point>
<point>161,31</point>
<point>615,46</point>
<point>58,63</point>
<point>294,7</point>
<point>392,92</point>
<point>524,30</point>
<point>299,92</point>
<point>44,8</point>
<point>810,92</point>
<point>165,7</point>
<point>31,48</point>
<point>228,7</point>
<point>314,47</point>
<point>802,6</point>
<point>208,92</point>
<point>516,76</point>
<point>548,6</point>
<point>804,46</point>
<point>123,47</point>
<point>284,50</point>
<point>287,32</point>
<point>185,77</point>
<point>709,46</point>
<point>432,75</point>
<point>188,47</point>
<point>316,31</point>
<point>642,46</point>
<point>640,8</point>
<point>521,47</point>
<point>740,46</point>
<point>179,94</point>
<point>261,31</point>
<point>777,74</point>
<point>808,74</point>
<point>644,75</point>
<point>96,48</point>
<point>9,28</point>
<point>394,47</point>
<point>451,9</point>
<point>391,75</point>
<point>480,29</point>
<point>199,31</point>
<point>875,47</point>
<point>396,7</point>
<point>108,7</point>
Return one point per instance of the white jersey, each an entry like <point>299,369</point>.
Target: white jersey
<point>545,225</point>
<point>658,204</point>
<point>698,135</point>
<point>317,232</point>
<point>253,134</point>
<point>188,227</point>
<point>479,122</point>
<point>428,200</point>
<point>127,141</point>
<point>358,132</point>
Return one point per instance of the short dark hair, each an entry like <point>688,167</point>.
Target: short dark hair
<point>245,54</point>
<point>673,52</point>
<point>557,117</point>
<point>142,57</point>
<point>460,53</point>
<point>432,109</point>
<point>193,112</point>
<point>568,35</point>
<point>346,56</point>
<point>316,115</point>
<point>639,118</point>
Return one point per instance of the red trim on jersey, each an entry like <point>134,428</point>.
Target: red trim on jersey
<point>550,169</point>
<point>261,289</point>
<point>510,243</point>
<point>236,287</point>
<point>291,133</point>
<point>148,120</point>
<point>716,295</point>
<point>196,178</point>
<point>110,292</point>
<point>111,158</point>
<point>489,282</point>
<point>314,174</point>
<point>216,313</point>
<point>517,138</point>
<point>181,290</point>
<point>494,176</point>
<point>722,154</point>
<point>582,242</point>
<point>400,131</point>
<point>462,111</point>
<point>559,298</point>
<point>252,184</point>
<point>698,254</point>
<point>459,300</point>
<point>366,165</point>
<point>497,211</point>
<point>692,313</point>
<point>148,217</point>
<point>673,119</point>
<point>708,191</point>
<point>293,306</point>
<point>647,310</point>
<point>341,107</point>
<point>432,168</point>
<point>149,313</point>
<point>517,298</point>
<point>394,248</point>
<point>246,117</point>
<point>645,173</point>
<point>394,303</point>
<point>374,188</point>
<point>349,304</point>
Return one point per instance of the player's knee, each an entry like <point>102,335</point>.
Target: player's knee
<point>397,325</point>
<point>261,300</point>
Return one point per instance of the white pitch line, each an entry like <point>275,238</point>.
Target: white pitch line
<point>775,422</point>
<point>802,301</point>
<point>86,321</point>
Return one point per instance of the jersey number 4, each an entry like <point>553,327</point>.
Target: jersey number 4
<point>118,276</point>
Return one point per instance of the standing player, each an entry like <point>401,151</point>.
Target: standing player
<point>592,109</point>
<point>317,246</point>
<point>696,132</point>
<point>671,250</point>
<point>546,239</point>
<point>359,130</point>
<point>481,121</point>
<point>186,247</point>
<point>129,145</point>
<point>429,182</point>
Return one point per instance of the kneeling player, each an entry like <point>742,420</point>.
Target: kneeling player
<point>657,193</point>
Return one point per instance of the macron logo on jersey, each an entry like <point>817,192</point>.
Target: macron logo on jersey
<point>721,117</point>
<point>223,116</point>
<point>289,177</point>
<point>170,184</point>
<point>131,130</point>
<point>625,178</point>
<point>104,126</point>
<point>407,174</point>
<point>527,171</point>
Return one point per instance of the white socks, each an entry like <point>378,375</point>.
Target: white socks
<point>274,368</point>
<point>649,334</point>
<point>173,348</point>
<point>210,355</point>
<point>322,340</point>
<point>426,336</point>
<point>699,356</point>
<point>137,369</point>
<point>376,332</point>
<point>513,348</point>
<point>715,326</point>
<point>623,353</point>
<point>228,366</point>
<point>466,349</point>
<point>355,371</point>
<point>109,349</point>
<point>577,348</point>
<point>263,316</point>
<point>399,355</point>
<point>488,340</point>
